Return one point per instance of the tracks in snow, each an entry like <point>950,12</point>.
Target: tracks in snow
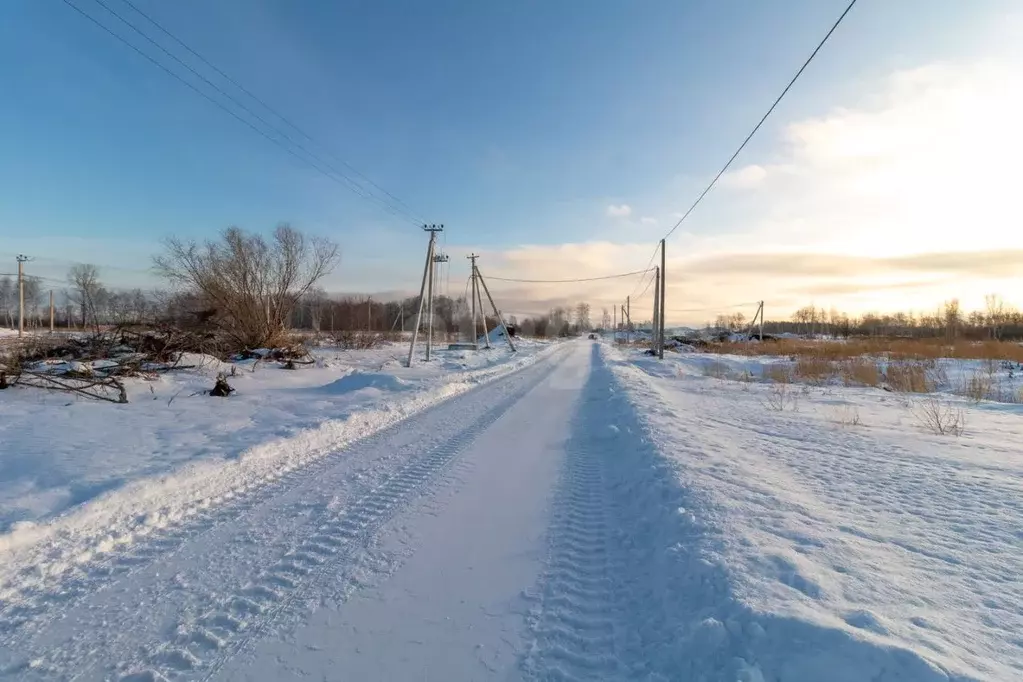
<point>629,592</point>
<point>212,627</point>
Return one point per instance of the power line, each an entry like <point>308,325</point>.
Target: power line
<point>763,118</point>
<point>566,281</point>
<point>648,269</point>
<point>714,309</point>
<point>350,184</point>
<point>273,111</point>
<point>647,288</point>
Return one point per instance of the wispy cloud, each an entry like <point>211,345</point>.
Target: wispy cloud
<point>648,220</point>
<point>619,211</point>
<point>746,177</point>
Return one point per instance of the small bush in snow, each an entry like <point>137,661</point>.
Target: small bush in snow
<point>781,397</point>
<point>940,416</point>
<point>353,340</point>
<point>849,416</point>
<point>717,370</point>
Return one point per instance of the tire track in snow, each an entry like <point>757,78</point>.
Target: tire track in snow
<point>36,599</point>
<point>574,634</point>
<point>630,590</point>
<point>199,649</point>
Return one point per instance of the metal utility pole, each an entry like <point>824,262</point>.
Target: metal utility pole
<point>663,272</point>
<point>51,311</point>
<point>427,272</point>
<point>475,336</point>
<point>655,327</point>
<point>497,312</point>
<point>21,294</point>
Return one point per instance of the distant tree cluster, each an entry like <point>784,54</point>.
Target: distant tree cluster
<point>559,322</point>
<point>998,321</point>
<point>83,303</point>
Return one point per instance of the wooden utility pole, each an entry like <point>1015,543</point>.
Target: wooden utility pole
<point>500,317</point>
<point>475,335</point>
<point>628,317</point>
<point>21,294</point>
<point>369,313</point>
<point>655,327</point>
<point>614,324</point>
<point>437,258</point>
<point>51,311</point>
<point>427,275</point>
<point>664,276</point>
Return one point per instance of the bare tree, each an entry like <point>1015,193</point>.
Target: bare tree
<point>8,299</point>
<point>995,314</point>
<point>953,319</point>
<point>252,283</point>
<point>84,280</point>
<point>582,316</point>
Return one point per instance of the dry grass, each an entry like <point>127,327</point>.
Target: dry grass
<point>779,374</point>
<point>904,349</point>
<point>909,377</point>
<point>860,372</point>
<point>717,370</point>
<point>814,369</point>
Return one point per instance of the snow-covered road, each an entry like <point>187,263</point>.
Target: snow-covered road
<point>532,528</point>
<point>407,554</point>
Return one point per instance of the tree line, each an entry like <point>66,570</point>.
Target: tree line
<point>252,289</point>
<point>997,321</point>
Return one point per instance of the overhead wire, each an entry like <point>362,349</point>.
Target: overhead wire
<point>566,281</point>
<point>266,106</point>
<point>348,182</point>
<point>756,128</point>
<point>763,118</point>
<point>713,308</point>
<point>315,162</point>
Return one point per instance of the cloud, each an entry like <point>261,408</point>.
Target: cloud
<point>701,286</point>
<point>896,200</point>
<point>647,220</point>
<point>745,178</point>
<point>927,158</point>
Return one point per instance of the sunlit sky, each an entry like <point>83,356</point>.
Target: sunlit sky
<point>554,140</point>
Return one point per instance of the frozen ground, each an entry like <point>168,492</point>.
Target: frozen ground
<point>590,516</point>
<point>58,451</point>
<point>880,533</point>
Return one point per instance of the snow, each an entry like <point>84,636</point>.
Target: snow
<point>574,512</point>
<point>880,538</point>
<point>172,451</point>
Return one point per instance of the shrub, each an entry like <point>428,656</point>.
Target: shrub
<point>814,369</point>
<point>909,377</point>
<point>940,416</point>
<point>860,372</point>
<point>781,397</point>
<point>715,369</point>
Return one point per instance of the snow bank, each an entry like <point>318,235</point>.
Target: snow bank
<point>118,471</point>
<point>357,381</point>
<point>827,551</point>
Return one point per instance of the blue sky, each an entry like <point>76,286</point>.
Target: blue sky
<point>512,123</point>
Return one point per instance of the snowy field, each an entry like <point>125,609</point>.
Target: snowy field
<point>844,524</point>
<point>574,512</point>
<point>172,450</point>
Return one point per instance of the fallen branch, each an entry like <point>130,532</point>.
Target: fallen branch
<point>103,388</point>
